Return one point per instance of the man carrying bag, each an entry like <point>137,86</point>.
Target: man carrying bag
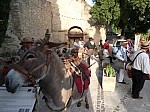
<point>140,70</point>
<point>120,61</point>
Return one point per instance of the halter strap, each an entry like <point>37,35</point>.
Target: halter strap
<point>26,73</point>
<point>30,73</point>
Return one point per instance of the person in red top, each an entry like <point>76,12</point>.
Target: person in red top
<point>107,44</point>
<point>130,44</point>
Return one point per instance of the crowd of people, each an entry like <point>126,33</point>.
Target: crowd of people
<point>126,54</point>
<point>140,63</point>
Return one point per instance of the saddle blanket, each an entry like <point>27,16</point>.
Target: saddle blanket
<point>82,82</point>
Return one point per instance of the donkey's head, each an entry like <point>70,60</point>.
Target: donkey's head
<point>31,68</point>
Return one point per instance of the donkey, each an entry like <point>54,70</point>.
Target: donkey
<point>4,67</point>
<point>42,64</point>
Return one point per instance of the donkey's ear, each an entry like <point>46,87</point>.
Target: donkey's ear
<point>43,48</point>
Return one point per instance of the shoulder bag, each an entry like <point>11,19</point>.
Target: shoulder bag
<point>129,67</point>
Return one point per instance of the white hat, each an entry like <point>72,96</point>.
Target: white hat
<point>145,45</point>
<point>123,43</point>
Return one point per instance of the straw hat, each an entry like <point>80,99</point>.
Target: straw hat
<point>26,40</point>
<point>123,43</point>
<point>145,45</point>
<point>47,32</point>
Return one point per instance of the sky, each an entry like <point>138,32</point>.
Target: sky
<point>90,2</point>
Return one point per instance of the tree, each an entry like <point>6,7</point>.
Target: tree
<point>105,12</point>
<point>124,15</point>
<point>139,19</point>
<point>131,16</point>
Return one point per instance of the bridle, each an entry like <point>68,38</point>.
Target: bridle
<point>29,74</point>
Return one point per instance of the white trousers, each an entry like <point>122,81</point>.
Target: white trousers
<point>120,76</point>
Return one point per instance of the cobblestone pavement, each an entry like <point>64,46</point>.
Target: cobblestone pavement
<point>121,101</point>
<point>92,97</point>
<point>118,101</point>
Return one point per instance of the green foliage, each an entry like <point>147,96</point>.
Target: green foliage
<point>132,16</point>
<point>110,72</point>
<point>139,16</point>
<point>115,30</point>
<point>105,12</point>
<point>4,15</point>
<point>146,35</point>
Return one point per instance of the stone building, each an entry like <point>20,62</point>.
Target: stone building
<point>31,18</point>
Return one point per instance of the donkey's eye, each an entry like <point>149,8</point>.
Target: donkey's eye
<point>30,56</point>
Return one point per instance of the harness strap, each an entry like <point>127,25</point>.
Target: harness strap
<point>26,73</point>
<point>23,71</point>
<point>37,68</point>
<point>135,58</point>
<point>29,74</point>
<point>20,69</point>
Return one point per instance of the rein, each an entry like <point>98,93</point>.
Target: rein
<point>29,74</point>
<point>26,73</point>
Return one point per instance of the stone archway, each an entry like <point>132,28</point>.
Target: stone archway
<point>73,33</point>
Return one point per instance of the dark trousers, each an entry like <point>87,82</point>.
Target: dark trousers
<point>138,79</point>
<point>110,58</point>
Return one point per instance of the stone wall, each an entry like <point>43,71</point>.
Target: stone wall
<point>68,13</point>
<point>28,18</point>
<point>31,18</point>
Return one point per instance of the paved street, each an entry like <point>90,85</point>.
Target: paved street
<point>121,101</point>
<point>118,101</point>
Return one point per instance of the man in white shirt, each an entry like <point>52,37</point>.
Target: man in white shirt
<point>140,69</point>
<point>122,56</point>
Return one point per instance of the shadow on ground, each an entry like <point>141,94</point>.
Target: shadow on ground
<point>120,100</point>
